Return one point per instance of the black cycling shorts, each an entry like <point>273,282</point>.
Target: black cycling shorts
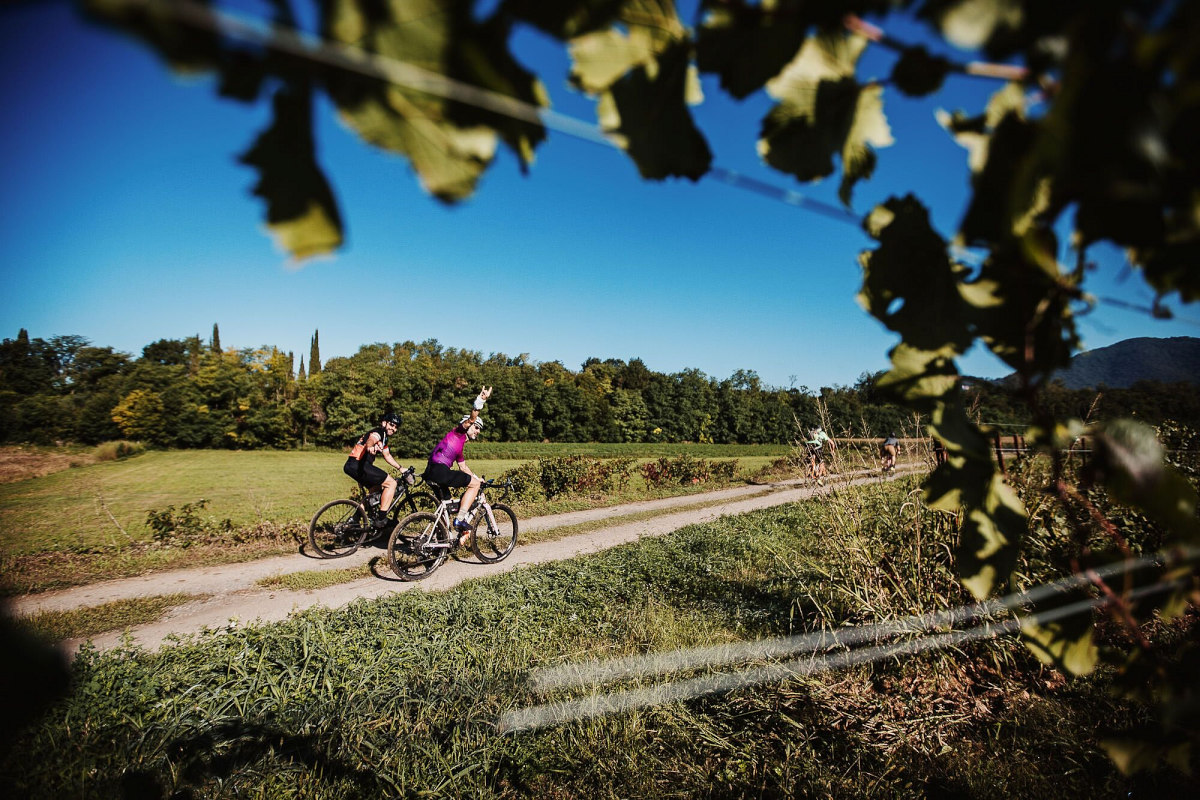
<point>371,475</point>
<point>444,476</point>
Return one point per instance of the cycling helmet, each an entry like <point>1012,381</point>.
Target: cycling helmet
<point>467,418</point>
<point>391,417</point>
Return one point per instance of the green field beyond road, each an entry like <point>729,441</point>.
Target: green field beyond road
<point>106,504</point>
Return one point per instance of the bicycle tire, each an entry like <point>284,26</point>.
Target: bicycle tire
<point>409,552</point>
<point>491,546</point>
<point>338,529</point>
<point>418,501</point>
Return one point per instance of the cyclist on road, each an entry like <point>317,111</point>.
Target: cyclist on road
<point>815,445</point>
<point>360,465</point>
<point>449,451</point>
<point>888,451</point>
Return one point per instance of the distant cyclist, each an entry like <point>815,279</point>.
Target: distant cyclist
<point>449,451</point>
<point>360,465</point>
<point>888,451</point>
<point>815,446</point>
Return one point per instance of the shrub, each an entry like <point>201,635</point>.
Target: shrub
<point>566,475</point>
<point>684,470</point>
<point>185,527</point>
<point>113,451</point>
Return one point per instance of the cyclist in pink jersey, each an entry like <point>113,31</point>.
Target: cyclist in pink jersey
<point>449,451</point>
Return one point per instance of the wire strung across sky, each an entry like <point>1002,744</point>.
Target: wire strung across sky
<point>598,672</point>
<point>372,65</point>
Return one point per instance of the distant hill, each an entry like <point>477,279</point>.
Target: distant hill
<point>1123,364</point>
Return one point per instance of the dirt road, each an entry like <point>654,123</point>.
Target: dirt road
<point>229,595</point>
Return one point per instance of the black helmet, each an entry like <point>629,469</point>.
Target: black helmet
<point>391,417</point>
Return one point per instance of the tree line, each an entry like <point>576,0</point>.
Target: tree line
<point>191,393</point>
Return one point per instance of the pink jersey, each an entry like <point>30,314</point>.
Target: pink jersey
<point>450,449</point>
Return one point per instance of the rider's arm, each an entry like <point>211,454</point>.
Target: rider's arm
<point>387,456</point>
<point>462,465</point>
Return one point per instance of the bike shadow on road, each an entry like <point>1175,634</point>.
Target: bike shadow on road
<point>379,567</point>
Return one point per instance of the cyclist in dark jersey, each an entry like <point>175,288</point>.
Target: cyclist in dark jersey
<point>449,451</point>
<point>360,465</point>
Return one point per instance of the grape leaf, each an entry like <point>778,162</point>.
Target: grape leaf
<point>185,48</point>
<point>301,210</point>
<point>563,20</point>
<point>824,112</point>
<point>972,24</point>
<point>909,282</point>
<point>748,45</point>
<point>917,73</point>
<point>448,158</point>
<point>647,115</point>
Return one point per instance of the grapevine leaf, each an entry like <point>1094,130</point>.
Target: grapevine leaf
<point>1169,265</point>
<point>920,378</point>
<point>917,73</point>
<point>1020,306</point>
<point>972,24</point>
<point>990,539</point>
<point>185,48</point>
<point>301,210</point>
<point>1132,755</point>
<point>869,129</point>
<point>649,28</point>
<point>824,112</point>
<point>822,57</point>
<point>910,283</point>
<point>481,58</point>
<point>748,45</point>
<point>600,59</point>
<point>1129,462</point>
<point>563,20</point>
<point>1066,642</point>
<point>1002,193</point>
<point>646,113</point>
<point>447,157</point>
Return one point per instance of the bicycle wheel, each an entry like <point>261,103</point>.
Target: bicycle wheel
<point>494,544</point>
<point>417,501</point>
<point>413,550</point>
<point>338,529</point>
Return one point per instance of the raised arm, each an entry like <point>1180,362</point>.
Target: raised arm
<point>477,406</point>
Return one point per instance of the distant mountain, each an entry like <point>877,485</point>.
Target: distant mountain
<point>1123,364</point>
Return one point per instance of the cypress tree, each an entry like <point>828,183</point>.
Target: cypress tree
<point>215,344</point>
<point>300,376</point>
<point>314,354</point>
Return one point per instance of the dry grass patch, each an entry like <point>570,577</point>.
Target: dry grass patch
<point>22,462</point>
<point>80,623</point>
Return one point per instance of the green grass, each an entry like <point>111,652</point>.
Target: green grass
<point>529,450</point>
<point>104,505</point>
<point>401,697</point>
<point>83,622</point>
<point>315,579</point>
<point>88,523</point>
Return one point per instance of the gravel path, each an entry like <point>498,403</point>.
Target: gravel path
<point>235,598</point>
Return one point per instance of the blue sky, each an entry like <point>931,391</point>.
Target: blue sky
<point>126,218</point>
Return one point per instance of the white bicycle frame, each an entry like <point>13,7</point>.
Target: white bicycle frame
<point>442,517</point>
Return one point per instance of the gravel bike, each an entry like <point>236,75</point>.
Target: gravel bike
<point>422,540</point>
<point>343,526</point>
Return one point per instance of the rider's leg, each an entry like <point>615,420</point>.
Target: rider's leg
<point>389,491</point>
<point>468,497</point>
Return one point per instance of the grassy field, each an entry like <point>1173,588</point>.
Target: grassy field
<point>404,697</point>
<point>101,503</point>
<point>89,522</point>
